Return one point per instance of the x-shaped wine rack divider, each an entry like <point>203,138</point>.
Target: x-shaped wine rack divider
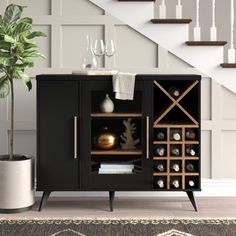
<point>176,102</point>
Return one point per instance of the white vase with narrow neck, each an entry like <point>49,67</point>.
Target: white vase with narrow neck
<point>107,105</point>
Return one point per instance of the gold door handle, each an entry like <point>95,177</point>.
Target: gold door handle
<point>75,138</point>
<point>147,136</point>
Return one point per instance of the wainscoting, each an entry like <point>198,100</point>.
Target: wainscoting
<point>67,22</point>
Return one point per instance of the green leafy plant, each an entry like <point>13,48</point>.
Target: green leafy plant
<point>17,50</point>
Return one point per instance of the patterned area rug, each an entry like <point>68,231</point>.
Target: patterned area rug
<point>118,227</point>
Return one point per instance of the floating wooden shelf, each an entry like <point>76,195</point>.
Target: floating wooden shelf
<point>116,152</point>
<point>111,115</point>
<point>171,21</point>
<point>228,65</point>
<point>206,43</point>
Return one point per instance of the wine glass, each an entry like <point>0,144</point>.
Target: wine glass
<point>110,48</point>
<point>99,48</point>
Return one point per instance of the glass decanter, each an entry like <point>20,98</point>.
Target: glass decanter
<point>89,60</point>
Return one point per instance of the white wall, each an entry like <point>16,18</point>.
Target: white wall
<point>67,22</point>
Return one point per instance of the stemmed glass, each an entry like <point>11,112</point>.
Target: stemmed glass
<point>110,48</point>
<point>99,48</point>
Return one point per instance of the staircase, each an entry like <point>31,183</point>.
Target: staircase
<point>173,35</point>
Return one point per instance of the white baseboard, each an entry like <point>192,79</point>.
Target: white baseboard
<point>210,188</point>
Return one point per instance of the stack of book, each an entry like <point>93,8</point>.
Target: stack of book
<point>106,168</point>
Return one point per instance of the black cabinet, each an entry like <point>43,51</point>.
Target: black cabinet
<point>70,123</point>
<point>139,111</point>
<point>58,104</point>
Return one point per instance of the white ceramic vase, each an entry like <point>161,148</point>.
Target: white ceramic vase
<point>107,105</point>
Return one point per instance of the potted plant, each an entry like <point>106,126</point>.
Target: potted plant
<point>17,49</point>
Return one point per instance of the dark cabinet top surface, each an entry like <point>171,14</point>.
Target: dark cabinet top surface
<point>108,77</point>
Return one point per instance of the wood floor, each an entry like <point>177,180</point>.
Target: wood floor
<point>132,207</point>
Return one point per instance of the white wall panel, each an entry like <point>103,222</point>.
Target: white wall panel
<point>25,142</point>
<point>174,61</point>
<point>66,45</point>
<point>34,7</point>
<point>44,44</point>
<point>206,99</point>
<point>228,155</point>
<point>80,8</point>
<point>134,50</point>
<point>228,105</point>
<point>74,42</point>
<point>206,154</point>
<point>25,102</point>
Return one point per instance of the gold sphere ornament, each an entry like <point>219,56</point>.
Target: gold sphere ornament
<point>106,140</point>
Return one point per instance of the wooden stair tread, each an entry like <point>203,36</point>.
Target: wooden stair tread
<point>228,65</point>
<point>171,21</point>
<point>206,43</point>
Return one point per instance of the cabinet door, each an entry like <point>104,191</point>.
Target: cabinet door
<point>117,165</point>
<point>58,103</point>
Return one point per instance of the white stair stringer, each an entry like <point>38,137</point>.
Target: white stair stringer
<point>172,37</point>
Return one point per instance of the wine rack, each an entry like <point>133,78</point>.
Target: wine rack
<point>177,131</point>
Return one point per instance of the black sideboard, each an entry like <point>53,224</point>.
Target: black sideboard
<point>69,120</point>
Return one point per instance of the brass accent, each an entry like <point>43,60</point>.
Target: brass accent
<point>106,140</point>
<point>75,137</point>
<point>147,136</point>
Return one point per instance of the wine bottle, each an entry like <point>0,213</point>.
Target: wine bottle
<point>190,134</point>
<point>160,183</point>
<point>160,150</point>
<point>175,135</point>
<point>160,167</point>
<point>175,167</point>
<point>175,183</point>
<point>160,136</point>
<point>174,92</point>
<point>191,183</point>
<point>174,151</point>
<point>189,151</point>
<point>190,167</point>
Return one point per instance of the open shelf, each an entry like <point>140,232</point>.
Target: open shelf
<point>116,152</point>
<point>115,114</point>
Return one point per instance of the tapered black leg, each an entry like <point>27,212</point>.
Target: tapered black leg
<point>111,198</point>
<point>192,199</point>
<point>44,199</point>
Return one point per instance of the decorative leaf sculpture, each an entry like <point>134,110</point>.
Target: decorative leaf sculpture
<point>127,136</point>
